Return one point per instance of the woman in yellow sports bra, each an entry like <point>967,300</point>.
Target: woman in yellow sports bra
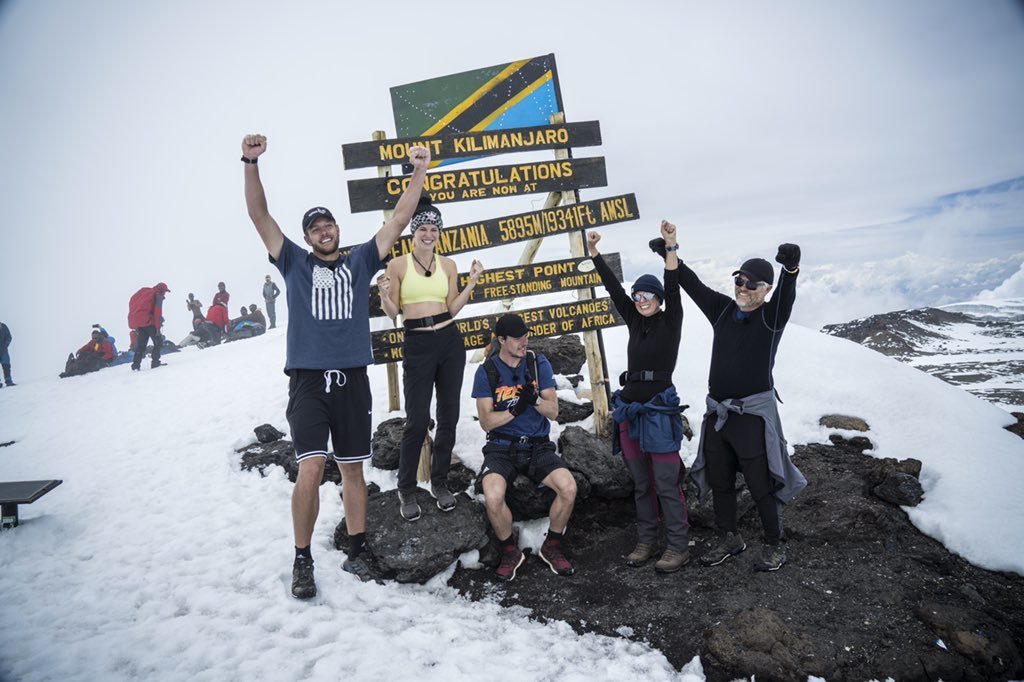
<point>423,287</point>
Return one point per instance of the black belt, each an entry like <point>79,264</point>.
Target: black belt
<point>645,375</point>
<point>428,321</point>
<point>518,440</point>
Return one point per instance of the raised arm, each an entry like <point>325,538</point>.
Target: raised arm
<point>458,299</point>
<point>778,309</point>
<point>622,302</point>
<point>391,230</point>
<point>673,300</point>
<point>253,147</point>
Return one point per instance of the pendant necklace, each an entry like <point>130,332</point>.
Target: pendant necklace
<point>426,270</point>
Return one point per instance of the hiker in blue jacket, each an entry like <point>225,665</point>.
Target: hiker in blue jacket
<point>646,411</point>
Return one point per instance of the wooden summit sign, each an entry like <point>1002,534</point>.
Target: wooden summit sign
<point>522,227</point>
<point>561,318</point>
<point>373,194</point>
<point>498,284</point>
<point>473,144</point>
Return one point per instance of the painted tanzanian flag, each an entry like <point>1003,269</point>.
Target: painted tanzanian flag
<point>515,95</point>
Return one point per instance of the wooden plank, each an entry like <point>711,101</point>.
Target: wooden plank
<point>373,194</point>
<point>552,320</point>
<point>25,492</point>
<point>530,279</point>
<point>473,144</point>
<point>522,227</point>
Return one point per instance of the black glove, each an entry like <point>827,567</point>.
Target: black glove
<point>527,397</point>
<point>657,246</point>
<point>788,256</point>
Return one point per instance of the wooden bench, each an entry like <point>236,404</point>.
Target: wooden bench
<point>14,493</point>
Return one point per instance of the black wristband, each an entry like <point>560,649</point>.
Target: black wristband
<point>251,162</point>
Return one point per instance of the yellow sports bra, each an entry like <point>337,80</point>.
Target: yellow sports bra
<point>419,289</point>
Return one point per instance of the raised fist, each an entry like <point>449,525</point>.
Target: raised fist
<point>668,233</point>
<point>253,145</point>
<point>475,270</point>
<point>419,157</point>
<point>593,237</point>
<point>788,256</point>
<point>384,285</point>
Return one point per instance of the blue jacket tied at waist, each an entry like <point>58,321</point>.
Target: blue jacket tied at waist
<point>657,424</point>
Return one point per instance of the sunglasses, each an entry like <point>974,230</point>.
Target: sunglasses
<point>743,282</point>
<point>643,296</point>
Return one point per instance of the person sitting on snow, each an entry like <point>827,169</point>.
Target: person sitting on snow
<point>96,354</point>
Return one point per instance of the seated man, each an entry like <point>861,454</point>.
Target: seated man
<point>94,355</point>
<point>256,316</point>
<point>203,334</point>
<point>515,399</point>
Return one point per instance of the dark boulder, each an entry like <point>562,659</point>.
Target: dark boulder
<point>265,433</point>
<point>386,443</point>
<point>281,453</point>
<point>844,422</point>
<point>565,353</point>
<point>900,489</point>
<point>414,552</point>
<point>592,456</point>
<point>573,412</point>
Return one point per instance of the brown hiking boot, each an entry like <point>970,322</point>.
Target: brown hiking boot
<point>672,560</point>
<point>641,554</point>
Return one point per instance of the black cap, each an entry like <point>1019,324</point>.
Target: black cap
<point>650,283</point>
<point>314,213</point>
<point>512,325</point>
<point>757,270</point>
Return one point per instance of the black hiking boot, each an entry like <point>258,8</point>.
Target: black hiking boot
<point>303,585</point>
<point>730,545</point>
<point>772,558</point>
<point>408,507</point>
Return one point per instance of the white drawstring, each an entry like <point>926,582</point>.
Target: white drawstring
<point>339,378</point>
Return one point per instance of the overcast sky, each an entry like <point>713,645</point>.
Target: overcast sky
<point>884,137</point>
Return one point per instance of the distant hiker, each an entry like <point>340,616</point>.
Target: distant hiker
<point>145,317</point>
<point>256,316</point>
<point>741,430</point>
<point>222,296</point>
<point>424,288</point>
<point>5,356</point>
<point>108,337</point>
<point>195,307</point>
<point>204,334</point>
<point>270,294</point>
<point>218,314</point>
<point>646,410</point>
<point>328,350</point>
<point>515,401</point>
<point>94,355</point>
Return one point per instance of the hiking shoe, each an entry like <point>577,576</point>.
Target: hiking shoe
<point>444,497</point>
<point>358,568</point>
<point>303,585</point>
<point>641,554</point>
<point>731,544</point>
<point>511,560</point>
<point>551,554</point>
<point>409,508</point>
<point>772,558</point>
<point>672,560</point>
<point>158,363</point>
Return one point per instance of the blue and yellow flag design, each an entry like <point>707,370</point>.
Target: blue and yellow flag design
<point>516,95</point>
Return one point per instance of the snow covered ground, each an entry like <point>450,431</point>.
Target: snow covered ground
<point>158,558</point>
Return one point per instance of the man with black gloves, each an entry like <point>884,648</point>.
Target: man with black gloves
<point>741,430</point>
<point>515,399</point>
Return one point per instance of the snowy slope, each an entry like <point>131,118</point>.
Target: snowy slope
<point>158,558</point>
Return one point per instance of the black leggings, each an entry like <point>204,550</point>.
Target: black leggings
<point>739,446</point>
<point>429,359</point>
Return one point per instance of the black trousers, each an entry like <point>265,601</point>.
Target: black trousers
<point>142,339</point>
<point>430,359</point>
<point>739,446</point>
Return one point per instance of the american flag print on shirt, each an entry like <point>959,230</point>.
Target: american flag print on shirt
<point>332,293</point>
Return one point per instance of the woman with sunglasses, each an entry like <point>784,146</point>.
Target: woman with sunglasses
<point>424,287</point>
<point>649,429</point>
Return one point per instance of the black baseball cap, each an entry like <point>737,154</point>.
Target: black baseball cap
<point>512,325</point>
<point>757,270</point>
<point>312,214</point>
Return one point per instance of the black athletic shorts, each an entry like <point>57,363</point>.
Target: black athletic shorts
<point>533,461</point>
<point>335,403</point>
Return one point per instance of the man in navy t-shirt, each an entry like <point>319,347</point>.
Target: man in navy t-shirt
<point>515,410</point>
<point>328,352</point>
